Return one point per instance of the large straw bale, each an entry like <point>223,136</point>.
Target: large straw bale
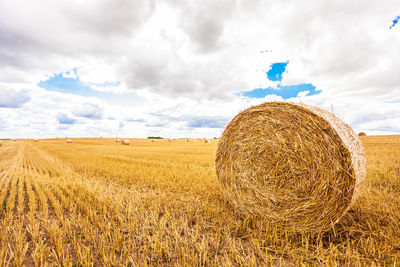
<point>206,141</point>
<point>126,142</point>
<point>69,141</point>
<point>1,143</point>
<point>362,134</point>
<point>296,166</point>
<point>117,140</point>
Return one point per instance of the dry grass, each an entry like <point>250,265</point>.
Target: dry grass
<point>98,203</point>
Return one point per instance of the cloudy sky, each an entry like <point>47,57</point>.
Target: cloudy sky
<point>175,68</point>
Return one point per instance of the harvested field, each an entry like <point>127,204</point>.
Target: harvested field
<point>95,202</point>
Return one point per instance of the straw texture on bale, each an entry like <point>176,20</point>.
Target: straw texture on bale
<point>206,141</point>
<point>362,134</point>
<point>294,165</point>
<point>69,141</point>
<point>126,142</point>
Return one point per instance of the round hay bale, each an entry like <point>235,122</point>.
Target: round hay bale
<point>69,141</point>
<point>362,134</point>
<point>36,140</point>
<point>187,140</point>
<point>117,140</point>
<point>126,142</point>
<point>294,165</point>
<point>1,143</point>
<point>206,141</point>
<point>169,140</point>
<point>152,140</point>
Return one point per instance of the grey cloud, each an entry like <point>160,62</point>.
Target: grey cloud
<point>145,68</point>
<point>10,98</point>
<point>194,121</point>
<point>109,17</point>
<point>204,23</point>
<point>45,39</point>
<point>135,120</point>
<point>64,119</point>
<point>207,122</point>
<point>385,129</point>
<point>90,111</point>
<point>157,124</point>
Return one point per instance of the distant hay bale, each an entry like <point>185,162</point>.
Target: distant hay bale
<point>169,140</point>
<point>206,141</point>
<point>294,165</point>
<point>362,134</point>
<point>187,140</point>
<point>126,142</point>
<point>152,140</point>
<point>36,140</point>
<point>14,140</point>
<point>1,143</point>
<point>117,140</point>
<point>69,141</point>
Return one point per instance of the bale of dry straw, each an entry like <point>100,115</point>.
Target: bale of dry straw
<point>187,140</point>
<point>126,142</point>
<point>152,140</point>
<point>294,165</point>
<point>1,143</point>
<point>362,134</point>
<point>117,140</point>
<point>35,140</point>
<point>206,141</point>
<point>69,141</point>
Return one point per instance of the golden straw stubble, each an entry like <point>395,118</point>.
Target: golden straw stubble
<point>295,165</point>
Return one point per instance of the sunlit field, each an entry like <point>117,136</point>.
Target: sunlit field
<point>96,202</point>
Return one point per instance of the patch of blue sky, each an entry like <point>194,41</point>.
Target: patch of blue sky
<point>276,70</point>
<point>285,91</point>
<point>393,101</point>
<point>59,83</point>
<point>73,85</point>
<point>395,21</point>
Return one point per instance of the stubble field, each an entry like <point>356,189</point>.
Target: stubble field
<point>94,202</point>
